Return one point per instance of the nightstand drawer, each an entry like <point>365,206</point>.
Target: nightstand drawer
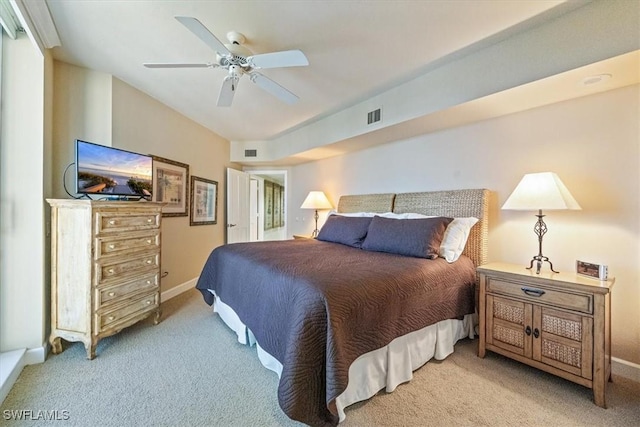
<point>541,295</point>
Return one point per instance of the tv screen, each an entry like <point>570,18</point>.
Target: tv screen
<point>112,172</point>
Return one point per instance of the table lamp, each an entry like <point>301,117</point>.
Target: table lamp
<point>316,200</point>
<point>538,191</point>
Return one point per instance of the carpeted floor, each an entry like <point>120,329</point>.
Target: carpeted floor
<point>190,371</point>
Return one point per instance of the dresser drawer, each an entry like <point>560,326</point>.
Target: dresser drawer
<point>114,245</point>
<point>115,221</point>
<point>120,269</point>
<point>541,295</point>
<point>113,294</point>
<point>120,316</point>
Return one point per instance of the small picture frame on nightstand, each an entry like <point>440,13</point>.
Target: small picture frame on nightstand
<point>595,271</point>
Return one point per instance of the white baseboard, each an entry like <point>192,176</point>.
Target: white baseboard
<point>177,290</point>
<point>625,369</point>
<point>12,363</point>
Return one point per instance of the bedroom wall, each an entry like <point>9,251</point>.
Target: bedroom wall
<point>592,143</point>
<point>144,125</point>
<point>102,109</point>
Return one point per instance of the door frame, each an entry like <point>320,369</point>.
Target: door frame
<point>259,174</point>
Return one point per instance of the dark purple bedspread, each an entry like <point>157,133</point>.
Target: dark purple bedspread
<point>316,306</point>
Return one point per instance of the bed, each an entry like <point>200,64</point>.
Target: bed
<point>338,322</point>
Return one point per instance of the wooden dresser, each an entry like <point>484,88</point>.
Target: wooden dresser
<point>105,268</point>
<point>556,322</point>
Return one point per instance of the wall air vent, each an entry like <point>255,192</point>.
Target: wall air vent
<point>251,153</point>
<point>373,116</point>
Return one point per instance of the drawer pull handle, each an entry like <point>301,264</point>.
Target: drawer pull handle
<point>148,261</point>
<point>148,282</point>
<point>533,292</point>
<point>110,271</point>
<point>149,242</point>
<point>149,302</point>
<point>111,294</point>
<point>112,246</point>
<point>536,333</point>
<point>150,220</point>
<point>528,330</point>
<point>112,222</point>
<point>111,317</point>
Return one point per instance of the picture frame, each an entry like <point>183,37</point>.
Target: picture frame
<point>203,202</point>
<point>268,205</point>
<point>171,186</point>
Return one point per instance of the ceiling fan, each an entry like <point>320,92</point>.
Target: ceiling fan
<point>238,60</point>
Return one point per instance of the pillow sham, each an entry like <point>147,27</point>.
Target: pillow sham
<point>346,230</point>
<point>455,237</point>
<point>369,214</point>
<point>419,238</point>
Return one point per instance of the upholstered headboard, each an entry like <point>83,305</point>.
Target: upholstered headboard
<point>452,203</point>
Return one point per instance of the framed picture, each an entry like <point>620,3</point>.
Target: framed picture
<point>204,201</point>
<point>268,205</point>
<point>171,186</point>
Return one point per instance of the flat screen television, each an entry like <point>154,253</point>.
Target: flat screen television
<point>111,171</point>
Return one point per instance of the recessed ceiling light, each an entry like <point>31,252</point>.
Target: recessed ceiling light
<point>592,80</point>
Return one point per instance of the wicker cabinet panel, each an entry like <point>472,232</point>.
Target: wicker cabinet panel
<point>559,323</point>
<point>105,268</point>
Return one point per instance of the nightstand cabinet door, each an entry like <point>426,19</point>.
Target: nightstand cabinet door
<point>509,325</point>
<point>565,340</point>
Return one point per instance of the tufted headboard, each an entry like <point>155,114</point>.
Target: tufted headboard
<point>451,203</point>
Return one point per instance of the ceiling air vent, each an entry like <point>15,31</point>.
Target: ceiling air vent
<point>373,116</point>
<point>251,153</point>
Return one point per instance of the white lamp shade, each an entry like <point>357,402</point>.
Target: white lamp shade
<point>316,200</point>
<point>541,191</point>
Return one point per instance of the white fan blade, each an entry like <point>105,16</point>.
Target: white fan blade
<point>197,28</point>
<point>228,89</point>
<point>273,88</point>
<point>177,65</point>
<point>287,58</point>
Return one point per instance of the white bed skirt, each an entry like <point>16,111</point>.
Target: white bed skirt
<point>386,367</point>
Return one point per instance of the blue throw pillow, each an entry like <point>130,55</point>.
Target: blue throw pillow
<point>346,230</point>
<point>419,238</point>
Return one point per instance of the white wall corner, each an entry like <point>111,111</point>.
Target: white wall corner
<point>625,369</point>
<point>12,363</point>
<point>177,290</point>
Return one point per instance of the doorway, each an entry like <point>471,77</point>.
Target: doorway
<point>268,205</point>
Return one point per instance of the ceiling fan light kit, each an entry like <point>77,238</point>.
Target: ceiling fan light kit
<point>239,60</point>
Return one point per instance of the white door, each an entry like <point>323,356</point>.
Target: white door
<point>237,206</point>
<point>254,214</point>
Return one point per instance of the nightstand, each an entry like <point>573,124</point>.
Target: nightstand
<point>557,322</point>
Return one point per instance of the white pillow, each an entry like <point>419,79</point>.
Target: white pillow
<point>370,214</point>
<point>455,236</point>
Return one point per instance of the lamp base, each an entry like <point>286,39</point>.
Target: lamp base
<point>540,229</point>
<point>539,260</point>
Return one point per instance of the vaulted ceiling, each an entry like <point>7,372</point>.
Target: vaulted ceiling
<point>356,50</point>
